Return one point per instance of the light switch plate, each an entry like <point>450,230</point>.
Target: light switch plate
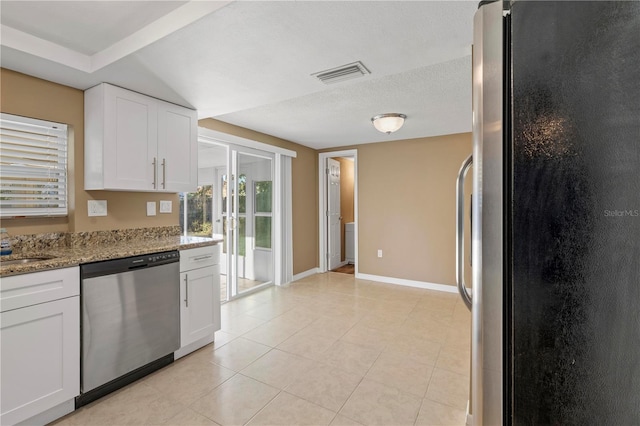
<point>165,206</point>
<point>151,208</point>
<point>97,207</point>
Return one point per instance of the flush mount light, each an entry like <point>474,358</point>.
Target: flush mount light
<point>388,123</point>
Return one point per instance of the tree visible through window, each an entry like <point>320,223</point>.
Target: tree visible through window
<point>263,211</point>
<point>198,222</point>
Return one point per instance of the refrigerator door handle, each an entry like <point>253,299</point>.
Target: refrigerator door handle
<point>462,288</point>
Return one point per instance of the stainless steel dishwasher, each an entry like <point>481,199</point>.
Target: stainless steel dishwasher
<point>130,320</point>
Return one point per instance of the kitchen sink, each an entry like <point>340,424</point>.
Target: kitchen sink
<point>25,260</point>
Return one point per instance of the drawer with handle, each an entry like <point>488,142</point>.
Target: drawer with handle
<point>199,257</point>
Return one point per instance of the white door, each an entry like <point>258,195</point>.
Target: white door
<point>222,215</point>
<point>333,213</point>
<point>247,220</point>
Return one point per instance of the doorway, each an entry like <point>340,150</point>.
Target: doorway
<point>338,212</point>
<point>247,221</point>
<point>234,202</point>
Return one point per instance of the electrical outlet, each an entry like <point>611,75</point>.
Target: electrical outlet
<point>165,206</point>
<point>379,253</point>
<point>151,208</point>
<point>97,207</point>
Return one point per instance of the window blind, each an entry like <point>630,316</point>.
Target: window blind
<point>33,167</point>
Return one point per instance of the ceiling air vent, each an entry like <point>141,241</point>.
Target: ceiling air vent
<point>341,73</point>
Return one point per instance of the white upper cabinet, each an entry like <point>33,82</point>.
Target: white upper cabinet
<point>177,148</point>
<point>137,143</point>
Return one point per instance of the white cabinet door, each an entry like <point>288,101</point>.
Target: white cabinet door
<point>137,143</point>
<point>131,126</point>
<point>121,139</point>
<point>40,364</point>
<point>200,304</point>
<point>177,148</point>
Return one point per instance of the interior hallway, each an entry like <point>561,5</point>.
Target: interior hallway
<point>328,349</point>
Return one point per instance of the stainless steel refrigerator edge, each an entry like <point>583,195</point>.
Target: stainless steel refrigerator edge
<point>556,213</point>
<point>487,217</point>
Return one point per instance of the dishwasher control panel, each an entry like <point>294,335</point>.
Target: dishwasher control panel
<point>159,257</point>
<point>125,264</point>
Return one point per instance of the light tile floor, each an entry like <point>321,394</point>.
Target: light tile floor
<point>243,285</point>
<point>325,350</point>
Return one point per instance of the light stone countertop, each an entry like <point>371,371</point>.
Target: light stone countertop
<point>64,257</point>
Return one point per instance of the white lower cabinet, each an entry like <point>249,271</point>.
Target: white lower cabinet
<point>199,298</point>
<point>40,354</point>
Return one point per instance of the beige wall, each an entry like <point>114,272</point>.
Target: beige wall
<point>406,207</point>
<point>304,171</point>
<point>32,97</point>
<point>346,197</point>
<point>406,190</point>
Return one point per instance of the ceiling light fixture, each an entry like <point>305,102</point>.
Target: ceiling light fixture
<point>388,123</point>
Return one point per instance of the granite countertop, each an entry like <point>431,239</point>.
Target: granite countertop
<point>89,250</point>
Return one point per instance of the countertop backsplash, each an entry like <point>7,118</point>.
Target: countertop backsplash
<point>122,235</point>
<point>26,244</point>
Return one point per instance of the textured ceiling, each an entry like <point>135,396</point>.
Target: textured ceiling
<point>439,98</point>
<point>93,25</point>
<point>250,63</point>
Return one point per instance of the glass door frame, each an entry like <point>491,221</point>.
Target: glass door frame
<point>233,218</point>
<point>282,229</point>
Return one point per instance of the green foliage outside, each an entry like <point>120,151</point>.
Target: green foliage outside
<point>199,221</point>
<point>263,200</point>
<point>263,231</point>
<point>263,196</point>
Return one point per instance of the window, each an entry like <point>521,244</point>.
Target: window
<point>262,202</point>
<point>198,212</point>
<point>33,167</point>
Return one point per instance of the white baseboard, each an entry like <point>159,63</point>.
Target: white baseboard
<point>409,283</point>
<point>305,274</point>
<point>389,280</point>
<point>469,421</point>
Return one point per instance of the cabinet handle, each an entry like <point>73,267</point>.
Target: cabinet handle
<point>208,256</point>
<point>155,171</point>
<point>164,173</point>
<point>186,290</point>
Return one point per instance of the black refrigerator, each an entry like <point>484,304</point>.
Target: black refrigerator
<point>556,213</point>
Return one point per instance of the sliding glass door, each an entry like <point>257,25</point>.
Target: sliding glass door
<point>234,202</point>
<point>249,230</point>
